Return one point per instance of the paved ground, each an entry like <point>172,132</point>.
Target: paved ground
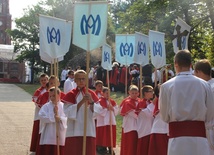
<point>16,120</point>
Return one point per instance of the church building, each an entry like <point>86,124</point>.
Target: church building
<point>10,70</point>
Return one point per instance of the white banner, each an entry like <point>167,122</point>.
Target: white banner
<point>157,48</point>
<point>90,24</point>
<point>125,48</point>
<point>180,35</point>
<point>141,55</point>
<point>55,36</point>
<point>45,57</point>
<point>106,57</point>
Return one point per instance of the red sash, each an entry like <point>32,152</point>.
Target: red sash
<point>187,128</point>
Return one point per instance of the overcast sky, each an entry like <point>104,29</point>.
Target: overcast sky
<point>17,6</point>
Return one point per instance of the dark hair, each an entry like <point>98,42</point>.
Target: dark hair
<point>105,89</point>
<point>70,72</point>
<point>203,66</point>
<point>43,75</point>
<point>183,58</point>
<point>156,91</point>
<point>145,89</point>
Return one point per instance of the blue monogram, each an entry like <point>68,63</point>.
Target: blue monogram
<point>94,24</point>
<point>53,35</point>
<point>157,48</point>
<point>141,48</point>
<point>126,49</point>
<point>106,56</point>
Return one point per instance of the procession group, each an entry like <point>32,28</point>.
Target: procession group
<point>177,121</point>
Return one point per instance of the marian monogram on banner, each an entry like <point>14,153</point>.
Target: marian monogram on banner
<point>53,34</point>
<point>141,48</point>
<point>126,49</point>
<point>91,23</point>
<point>106,57</point>
<point>157,48</point>
<point>53,37</point>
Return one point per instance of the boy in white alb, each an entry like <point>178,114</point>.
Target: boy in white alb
<point>145,120</point>
<point>75,102</point>
<point>203,70</point>
<point>105,121</point>
<point>129,127</point>
<point>51,113</point>
<point>158,143</point>
<point>69,82</point>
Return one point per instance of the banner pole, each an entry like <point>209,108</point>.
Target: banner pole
<point>57,123</point>
<point>87,72</point>
<point>141,79</point>
<point>155,77</point>
<point>111,133</point>
<point>126,82</point>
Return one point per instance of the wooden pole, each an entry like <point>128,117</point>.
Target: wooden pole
<point>111,133</point>
<point>155,77</point>
<point>86,106</point>
<point>57,123</point>
<point>126,82</point>
<point>141,80</point>
<point>51,68</point>
<point>166,73</point>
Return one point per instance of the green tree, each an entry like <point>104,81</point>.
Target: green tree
<point>148,15</point>
<point>26,40</point>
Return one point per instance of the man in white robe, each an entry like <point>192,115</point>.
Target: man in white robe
<point>186,103</point>
<point>203,70</point>
<point>69,82</point>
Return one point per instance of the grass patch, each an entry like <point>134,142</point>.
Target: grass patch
<point>117,96</point>
<point>29,88</point>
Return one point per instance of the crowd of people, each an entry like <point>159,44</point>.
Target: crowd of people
<point>173,118</point>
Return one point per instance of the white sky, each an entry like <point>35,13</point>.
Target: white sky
<point>17,6</point>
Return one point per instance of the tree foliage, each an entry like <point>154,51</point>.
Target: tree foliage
<point>124,17</point>
<point>145,15</point>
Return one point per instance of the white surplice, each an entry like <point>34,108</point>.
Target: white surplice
<point>186,98</point>
<point>48,124</point>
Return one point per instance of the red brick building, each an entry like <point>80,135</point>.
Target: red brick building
<point>10,70</point>
<point>5,22</point>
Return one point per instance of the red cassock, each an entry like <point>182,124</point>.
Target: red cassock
<point>49,150</point>
<point>35,131</point>
<point>44,98</point>
<point>98,93</point>
<point>74,144</point>
<point>129,139</point>
<point>103,134</point>
<point>34,136</point>
<point>122,78</point>
<point>114,76</point>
